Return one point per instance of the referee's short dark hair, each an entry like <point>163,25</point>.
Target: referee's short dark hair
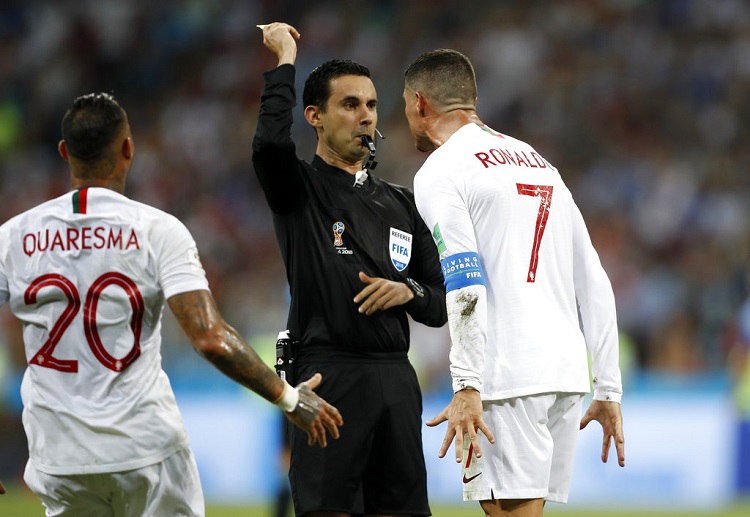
<point>91,124</point>
<point>318,84</point>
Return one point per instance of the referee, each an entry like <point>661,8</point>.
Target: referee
<point>358,259</point>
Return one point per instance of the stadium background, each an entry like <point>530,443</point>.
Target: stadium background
<point>642,105</point>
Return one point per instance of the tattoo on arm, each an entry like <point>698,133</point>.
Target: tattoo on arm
<point>222,345</point>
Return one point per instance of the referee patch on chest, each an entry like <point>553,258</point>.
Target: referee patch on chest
<point>399,248</point>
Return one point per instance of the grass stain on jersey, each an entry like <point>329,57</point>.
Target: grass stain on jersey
<point>468,303</point>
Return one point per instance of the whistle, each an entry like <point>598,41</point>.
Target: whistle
<point>370,163</point>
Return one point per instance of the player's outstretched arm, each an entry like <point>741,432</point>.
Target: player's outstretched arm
<point>223,347</point>
<point>609,415</point>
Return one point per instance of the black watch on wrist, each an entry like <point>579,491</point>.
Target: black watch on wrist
<point>415,287</point>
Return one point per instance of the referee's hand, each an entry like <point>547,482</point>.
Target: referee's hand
<point>314,415</point>
<point>281,39</point>
<point>380,294</point>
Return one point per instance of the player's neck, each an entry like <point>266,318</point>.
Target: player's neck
<point>443,126</point>
<point>110,183</point>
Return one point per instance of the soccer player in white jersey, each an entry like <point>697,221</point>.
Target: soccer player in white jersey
<point>87,274</point>
<point>520,270</point>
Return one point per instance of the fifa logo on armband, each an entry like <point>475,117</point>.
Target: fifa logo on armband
<point>338,230</point>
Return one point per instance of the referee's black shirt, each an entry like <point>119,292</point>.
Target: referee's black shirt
<point>307,201</point>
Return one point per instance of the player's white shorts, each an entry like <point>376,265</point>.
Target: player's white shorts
<point>532,457</point>
<point>171,488</point>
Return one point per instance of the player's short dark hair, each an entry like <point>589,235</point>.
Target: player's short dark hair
<point>91,125</point>
<point>318,84</point>
<point>446,76</point>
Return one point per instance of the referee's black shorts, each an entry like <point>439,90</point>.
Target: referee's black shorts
<point>377,465</point>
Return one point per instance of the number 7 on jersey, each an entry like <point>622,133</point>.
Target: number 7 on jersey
<point>544,193</point>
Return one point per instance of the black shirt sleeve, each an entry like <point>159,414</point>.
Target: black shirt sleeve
<point>274,153</point>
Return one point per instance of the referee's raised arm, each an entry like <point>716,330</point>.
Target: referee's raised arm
<point>274,153</point>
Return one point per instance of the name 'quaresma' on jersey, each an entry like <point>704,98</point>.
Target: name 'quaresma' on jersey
<point>87,274</point>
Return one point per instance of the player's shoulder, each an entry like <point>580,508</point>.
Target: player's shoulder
<point>112,200</point>
<point>483,132</point>
<point>150,210</point>
<point>452,153</point>
<point>441,165</point>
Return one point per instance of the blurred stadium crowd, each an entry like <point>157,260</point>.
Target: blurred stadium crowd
<point>642,105</point>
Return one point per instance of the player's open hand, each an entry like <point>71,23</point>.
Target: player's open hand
<point>381,294</point>
<point>281,39</point>
<point>609,415</point>
<point>464,416</point>
<point>314,415</point>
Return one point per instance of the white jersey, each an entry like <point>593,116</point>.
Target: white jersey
<point>489,196</point>
<point>87,275</point>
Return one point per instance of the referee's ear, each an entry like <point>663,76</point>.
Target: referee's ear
<point>312,115</point>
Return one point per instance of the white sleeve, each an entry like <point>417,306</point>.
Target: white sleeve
<point>180,268</point>
<point>467,322</point>
<point>442,207</point>
<point>4,288</point>
<point>596,303</point>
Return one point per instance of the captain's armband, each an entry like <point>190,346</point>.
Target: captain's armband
<point>462,270</point>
